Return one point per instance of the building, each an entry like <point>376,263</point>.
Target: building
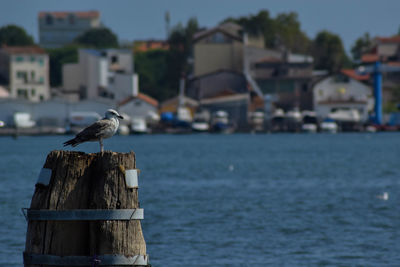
<point>384,49</point>
<point>149,45</point>
<point>57,29</point>
<point>104,73</point>
<point>222,48</point>
<point>140,106</point>
<point>24,72</point>
<point>387,51</point>
<point>341,92</point>
<point>281,78</point>
<point>285,78</point>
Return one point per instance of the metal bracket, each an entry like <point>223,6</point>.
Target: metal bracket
<point>131,178</point>
<point>84,215</point>
<point>39,259</point>
<point>44,176</point>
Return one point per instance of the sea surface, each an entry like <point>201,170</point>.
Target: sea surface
<point>241,199</point>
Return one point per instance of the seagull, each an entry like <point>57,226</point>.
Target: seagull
<point>98,131</point>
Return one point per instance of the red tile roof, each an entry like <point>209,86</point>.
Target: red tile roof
<point>23,50</point>
<point>353,74</point>
<point>393,39</point>
<point>140,96</point>
<point>65,14</point>
<point>367,58</point>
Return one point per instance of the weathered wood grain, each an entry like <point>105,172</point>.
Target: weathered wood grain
<point>86,181</point>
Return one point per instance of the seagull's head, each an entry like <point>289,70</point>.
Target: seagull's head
<point>113,114</point>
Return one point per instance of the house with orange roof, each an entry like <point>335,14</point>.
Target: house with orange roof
<point>139,107</point>
<point>343,92</point>
<point>24,71</point>
<point>57,29</point>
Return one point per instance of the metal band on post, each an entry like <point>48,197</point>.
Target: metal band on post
<point>39,259</point>
<point>83,215</point>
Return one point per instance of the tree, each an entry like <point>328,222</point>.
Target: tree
<point>360,46</point>
<point>328,52</point>
<point>58,57</point>
<point>13,35</point>
<point>180,43</point>
<point>98,38</point>
<point>152,68</point>
<point>289,33</point>
<point>282,31</point>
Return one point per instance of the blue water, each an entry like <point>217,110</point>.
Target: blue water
<point>240,200</point>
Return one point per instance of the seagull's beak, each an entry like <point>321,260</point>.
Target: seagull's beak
<point>119,116</point>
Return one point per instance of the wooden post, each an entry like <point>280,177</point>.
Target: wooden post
<point>78,182</point>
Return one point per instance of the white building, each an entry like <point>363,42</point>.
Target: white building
<point>101,73</point>
<point>57,29</point>
<point>25,72</point>
<point>342,93</point>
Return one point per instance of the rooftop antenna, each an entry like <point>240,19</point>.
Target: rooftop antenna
<point>167,23</point>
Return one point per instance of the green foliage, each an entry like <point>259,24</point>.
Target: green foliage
<point>180,42</point>
<point>282,31</point>
<point>360,46</point>
<point>13,35</point>
<point>58,57</point>
<point>160,71</point>
<point>98,38</point>
<point>328,52</point>
<point>152,68</point>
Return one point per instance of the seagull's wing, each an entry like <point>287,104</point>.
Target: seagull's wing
<point>94,131</point>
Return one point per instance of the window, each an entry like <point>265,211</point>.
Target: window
<point>41,97</point>
<point>32,75</point>
<point>23,76</point>
<point>22,93</point>
<point>218,38</point>
<point>114,59</point>
<point>33,92</point>
<point>19,58</point>
<point>71,19</point>
<point>49,19</point>
<point>41,80</point>
<point>33,59</point>
<point>41,62</point>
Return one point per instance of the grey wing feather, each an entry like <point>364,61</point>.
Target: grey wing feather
<point>94,131</point>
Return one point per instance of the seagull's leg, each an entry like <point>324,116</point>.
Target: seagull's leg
<point>101,145</point>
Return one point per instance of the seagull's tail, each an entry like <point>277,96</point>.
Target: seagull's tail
<point>73,142</point>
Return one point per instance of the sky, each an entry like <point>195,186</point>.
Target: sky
<point>144,19</point>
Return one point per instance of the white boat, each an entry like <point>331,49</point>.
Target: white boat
<point>310,122</point>
<point>23,120</point>
<point>278,121</point>
<point>293,120</point>
<point>329,126</point>
<point>139,126</point>
<point>220,122</point>
<point>201,121</point>
<point>257,120</point>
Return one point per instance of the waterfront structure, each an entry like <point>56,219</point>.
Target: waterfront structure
<point>285,78</point>
<point>272,78</point>
<point>57,29</point>
<point>385,50</point>
<point>340,92</point>
<point>222,48</point>
<point>104,73</point>
<point>52,112</point>
<point>140,106</point>
<point>24,71</point>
